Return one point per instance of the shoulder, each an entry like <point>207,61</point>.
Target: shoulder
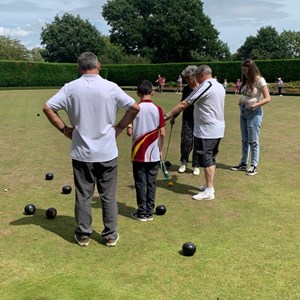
<point>261,82</point>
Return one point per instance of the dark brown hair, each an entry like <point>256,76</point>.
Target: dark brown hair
<point>253,73</point>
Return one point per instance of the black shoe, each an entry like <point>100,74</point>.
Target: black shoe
<point>239,167</point>
<point>149,217</point>
<point>252,171</point>
<point>138,217</point>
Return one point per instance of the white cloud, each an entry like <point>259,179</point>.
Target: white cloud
<point>15,32</point>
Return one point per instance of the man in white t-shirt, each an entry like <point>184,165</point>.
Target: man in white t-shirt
<point>209,125</point>
<point>91,104</point>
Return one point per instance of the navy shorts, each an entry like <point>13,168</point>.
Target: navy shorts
<point>207,150</point>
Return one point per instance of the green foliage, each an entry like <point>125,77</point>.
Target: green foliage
<point>270,69</point>
<point>115,54</point>
<point>269,44</point>
<point>22,74</point>
<point>16,74</point>
<point>12,49</point>
<point>162,32</point>
<point>31,74</point>
<point>291,42</point>
<point>35,54</point>
<point>133,74</point>
<point>67,37</point>
<point>288,69</point>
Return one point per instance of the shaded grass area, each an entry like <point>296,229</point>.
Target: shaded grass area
<point>247,238</point>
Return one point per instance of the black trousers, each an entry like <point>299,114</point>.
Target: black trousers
<point>145,174</point>
<point>187,144</point>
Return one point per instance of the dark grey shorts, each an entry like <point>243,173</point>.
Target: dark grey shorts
<point>207,150</point>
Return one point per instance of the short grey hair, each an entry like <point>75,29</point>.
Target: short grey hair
<point>189,71</point>
<point>87,61</point>
<point>203,69</point>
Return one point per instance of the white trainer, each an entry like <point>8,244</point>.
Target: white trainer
<point>196,171</point>
<point>203,187</point>
<point>204,196</point>
<point>182,169</point>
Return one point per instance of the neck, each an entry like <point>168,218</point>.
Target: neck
<point>146,97</point>
<point>93,71</point>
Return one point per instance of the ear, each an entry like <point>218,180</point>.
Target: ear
<point>99,66</point>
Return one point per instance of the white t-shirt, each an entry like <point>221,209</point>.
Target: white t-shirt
<point>91,104</point>
<point>209,101</point>
<point>250,97</point>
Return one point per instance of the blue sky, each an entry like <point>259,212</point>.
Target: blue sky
<point>234,19</point>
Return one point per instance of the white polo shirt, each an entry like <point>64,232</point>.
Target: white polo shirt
<point>209,101</point>
<point>91,104</point>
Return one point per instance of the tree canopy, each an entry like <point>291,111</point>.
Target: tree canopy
<point>164,31</point>
<point>67,37</point>
<point>269,44</point>
<point>12,49</point>
<point>291,42</point>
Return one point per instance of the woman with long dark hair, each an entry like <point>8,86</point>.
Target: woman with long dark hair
<point>255,94</point>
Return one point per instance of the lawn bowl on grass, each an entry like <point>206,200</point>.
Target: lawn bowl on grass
<point>66,189</point>
<point>29,209</point>
<point>168,164</point>
<point>51,213</point>
<point>49,176</point>
<point>160,210</point>
<point>188,249</point>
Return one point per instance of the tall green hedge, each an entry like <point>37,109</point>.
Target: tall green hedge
<point>34,74</point>
<point>124,75</point>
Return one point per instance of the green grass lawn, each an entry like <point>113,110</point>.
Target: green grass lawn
<point>247,239</point>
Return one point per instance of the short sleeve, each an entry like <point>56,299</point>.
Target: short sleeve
<point>261,82</point>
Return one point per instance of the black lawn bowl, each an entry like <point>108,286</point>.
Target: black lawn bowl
<point>67,189</point>
<point>49,176</point>
<point>188,249</point>
<point>37,115</point>
<point>168,164</point>
<point>51,213</point>
<point>29,209</point>
<point>160,210</point>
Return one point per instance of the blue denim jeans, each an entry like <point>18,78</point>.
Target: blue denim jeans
<point>250,123</point>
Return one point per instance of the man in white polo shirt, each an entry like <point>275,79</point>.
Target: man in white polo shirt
<point>91,104</point>
<point>209,125</point>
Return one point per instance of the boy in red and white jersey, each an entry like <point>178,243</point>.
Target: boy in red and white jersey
<point>148,134</point>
